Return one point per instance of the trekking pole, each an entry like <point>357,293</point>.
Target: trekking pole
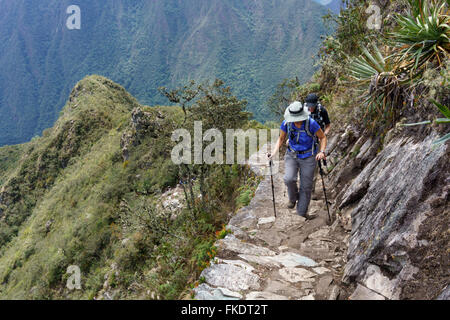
<point>273,190</point>
<point>324,190</point>
<point>326,166</point>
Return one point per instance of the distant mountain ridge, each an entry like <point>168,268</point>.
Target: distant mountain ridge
<point>142,44</point>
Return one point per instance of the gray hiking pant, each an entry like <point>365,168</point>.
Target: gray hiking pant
<point>306,167</point>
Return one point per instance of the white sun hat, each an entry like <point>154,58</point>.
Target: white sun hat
<point>296,112</point>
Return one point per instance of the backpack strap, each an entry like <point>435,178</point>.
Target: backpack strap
<point>307,128</point>
<point>308,132</point>
<point>289,127</point>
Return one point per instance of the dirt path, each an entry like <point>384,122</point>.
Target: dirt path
<point>280,258</point>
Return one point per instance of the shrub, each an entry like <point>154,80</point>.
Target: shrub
<point>203,253</point>
<point>222,233</point>
<point>389,81</point>
<point>423,35</point>
<point>388,89</point>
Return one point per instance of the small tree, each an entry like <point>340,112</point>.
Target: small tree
<point>217,108</point>
<point>282,97</point>
<point>182,95</point>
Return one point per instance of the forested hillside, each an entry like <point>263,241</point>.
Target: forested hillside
<point>142,45</point>
<point>99,191</point>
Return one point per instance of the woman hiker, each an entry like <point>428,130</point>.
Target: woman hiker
<point>301,155</point>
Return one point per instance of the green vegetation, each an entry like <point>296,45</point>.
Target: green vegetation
<point>143,45</point>
<point>388,91</point>
<point>420,40</point>
<point>89,193</point>
<point>247,192</point>
<point>288,91</point>
<point>9,157</point>
<point>282,97</point>
<point>374,78</point>
<point>423,35</point>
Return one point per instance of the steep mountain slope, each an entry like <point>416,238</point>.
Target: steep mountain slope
<point>9,157</point>
<point>144,45</point>
<point>88,194</point>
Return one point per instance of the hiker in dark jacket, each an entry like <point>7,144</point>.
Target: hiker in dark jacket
<point>320,115</point>
<point>318,112</point>
<point>302,154</point>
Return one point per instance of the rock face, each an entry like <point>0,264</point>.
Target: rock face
<point>394,201</point>
<point>398,205</point>
<point>141,124</point>
<point>238,246</point>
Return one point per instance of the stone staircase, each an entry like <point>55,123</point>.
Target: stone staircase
<point>282,258</point>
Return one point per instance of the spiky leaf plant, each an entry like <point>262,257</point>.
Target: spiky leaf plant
<point>389,89</point>
<point>423,35</point>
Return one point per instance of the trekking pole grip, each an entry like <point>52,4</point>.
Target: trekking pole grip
<point>320,168</point>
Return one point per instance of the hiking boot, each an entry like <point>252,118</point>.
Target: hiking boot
<point>310,216</point>
<point>291,205</point>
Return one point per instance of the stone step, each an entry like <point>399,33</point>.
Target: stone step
<point>205,292</point>
<point>257,261</point>
<point>234,245</point>
<point>258,295</point>
<point>295,275</point>
<point>231,277</point>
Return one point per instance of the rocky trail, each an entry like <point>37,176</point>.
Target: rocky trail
<point>282,258</point>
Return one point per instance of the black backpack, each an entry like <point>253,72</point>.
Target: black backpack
<point>320,120</point>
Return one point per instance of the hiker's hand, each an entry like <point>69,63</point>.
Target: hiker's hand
<point>321,156</point>
<point>269,156</point>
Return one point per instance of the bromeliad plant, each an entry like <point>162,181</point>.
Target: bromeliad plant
<point>389,88</point>
<point>423,35</point>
